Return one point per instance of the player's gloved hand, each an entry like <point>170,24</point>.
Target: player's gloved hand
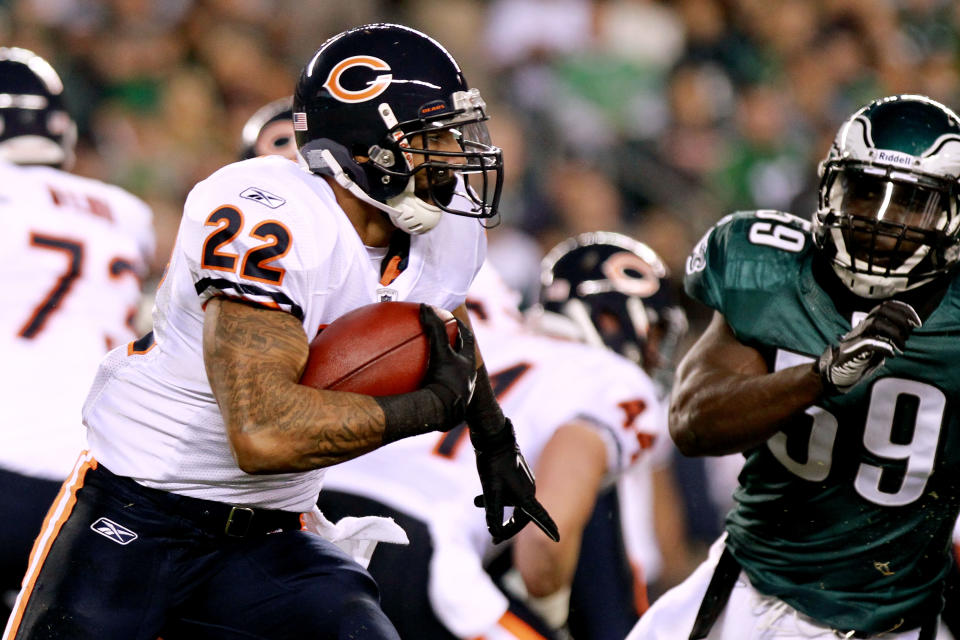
<point>881,335</point>
<point>441,402</point>
<point>451,374</point>
<point>507,481</point>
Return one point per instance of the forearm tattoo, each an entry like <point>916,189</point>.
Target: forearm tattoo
<point>254,358</point>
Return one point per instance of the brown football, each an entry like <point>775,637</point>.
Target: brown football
<point>378,349</point>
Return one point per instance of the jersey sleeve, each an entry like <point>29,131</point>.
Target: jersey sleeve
<point>624,410</point>
<point>747,251</point>
<point>703,279</point>
<point>245,235</point>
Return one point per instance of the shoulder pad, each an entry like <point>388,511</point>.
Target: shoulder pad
<point>746,250</point>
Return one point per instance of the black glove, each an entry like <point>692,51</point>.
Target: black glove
<point>507,481</point>
<point>441,403</point>
<point>863,350</point>
<point>451,374</point>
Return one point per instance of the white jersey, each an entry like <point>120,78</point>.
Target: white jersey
<point>74,256</point>
<point>267,231</point>
<point>542,383</point>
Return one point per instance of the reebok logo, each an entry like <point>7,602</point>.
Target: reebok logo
<point>263,197</point>
<point>110,529</point>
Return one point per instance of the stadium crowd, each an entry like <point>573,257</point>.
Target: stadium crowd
<point>645,116</point>
<point>653,118</point>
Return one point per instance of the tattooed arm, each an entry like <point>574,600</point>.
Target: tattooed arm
<point>254,358</point>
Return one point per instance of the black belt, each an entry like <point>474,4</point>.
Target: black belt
<point>216,518</point>
<point>235,521</point>
<point>718,592</point>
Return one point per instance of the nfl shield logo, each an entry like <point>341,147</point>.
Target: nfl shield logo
<point>385,294</point>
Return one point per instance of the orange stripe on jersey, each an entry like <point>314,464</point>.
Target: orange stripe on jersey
<point>265,304</point>
<point>391,271</point>
<point>141,345</point>
<point>641,599</point>
<point>59,511</point>
<point>510,622</point>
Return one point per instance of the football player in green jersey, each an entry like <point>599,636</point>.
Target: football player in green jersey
<point>830,363</point>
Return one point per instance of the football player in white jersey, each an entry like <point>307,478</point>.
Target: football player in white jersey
<point>203,449</point>
<point>583,414</point>
<point>269,131</point>
<point>608,290</point>
<point>76,253</point>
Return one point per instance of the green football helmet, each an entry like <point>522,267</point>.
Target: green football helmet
<point>888,216</point>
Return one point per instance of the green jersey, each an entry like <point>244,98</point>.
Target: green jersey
<point>847,512</point>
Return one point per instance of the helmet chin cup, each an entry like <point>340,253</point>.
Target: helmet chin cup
<point>407,212</point>
<point>411,214</point>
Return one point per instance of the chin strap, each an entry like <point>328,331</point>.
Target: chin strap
<point>407,212</point>
<point>413,215</point>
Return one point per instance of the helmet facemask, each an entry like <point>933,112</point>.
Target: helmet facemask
<point>886,230</point>
<point>436,158</point>
<point>887,219</point>
<point>386,111</point>
<point>613,321</point>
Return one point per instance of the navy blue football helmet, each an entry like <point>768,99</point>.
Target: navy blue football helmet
<point>35,127</point>
<point>367,103</point>
<point>609,290</point>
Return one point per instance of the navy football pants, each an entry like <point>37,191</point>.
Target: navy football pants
<point>123,562</point>
<point>24,502</point>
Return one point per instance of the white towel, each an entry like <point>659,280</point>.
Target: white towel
<point>357,537</point>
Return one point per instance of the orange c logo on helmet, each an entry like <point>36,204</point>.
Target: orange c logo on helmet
<point>616,269</point>
<point>375,88</point>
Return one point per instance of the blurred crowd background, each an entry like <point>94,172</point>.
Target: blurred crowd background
<point>650,117</point>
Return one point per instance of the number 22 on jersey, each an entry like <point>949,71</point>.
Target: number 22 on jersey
<point>255,264</point>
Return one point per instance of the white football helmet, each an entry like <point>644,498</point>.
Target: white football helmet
<point>888,200</point>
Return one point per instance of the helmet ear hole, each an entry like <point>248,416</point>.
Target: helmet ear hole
<point>260,123</point>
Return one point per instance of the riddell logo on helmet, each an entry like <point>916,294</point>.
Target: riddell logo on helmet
<point>374,88</point>
<point>892,157</point>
